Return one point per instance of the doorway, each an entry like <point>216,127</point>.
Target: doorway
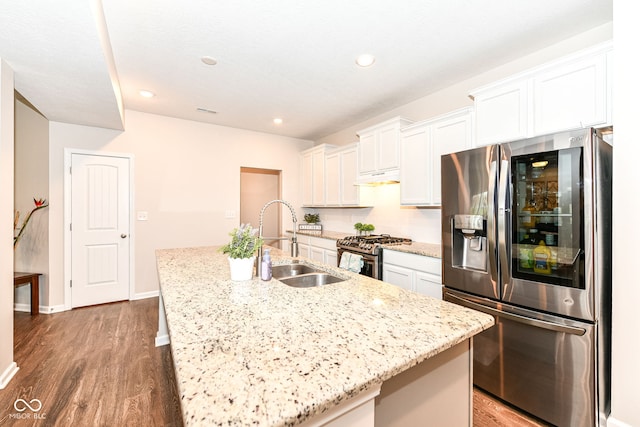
<point>98,236</point>
<point>257,187</point>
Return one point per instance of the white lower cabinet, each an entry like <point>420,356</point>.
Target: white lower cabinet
<point>303,249</point>
<point>428,284</point>
<point>318,249</point>
<point>418,273</point>
<point>399,276</point>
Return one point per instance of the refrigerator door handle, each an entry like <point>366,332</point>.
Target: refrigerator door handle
<point>555,327</point>
<point>491,228</point>
<point>504,207</point>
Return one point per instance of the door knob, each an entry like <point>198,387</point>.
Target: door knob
<point>124,236</point>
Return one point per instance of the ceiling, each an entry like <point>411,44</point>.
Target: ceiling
<point>84,62</point>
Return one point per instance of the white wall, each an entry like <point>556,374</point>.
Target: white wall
<point>7,365</point>
<point>31,181</point>
<point>187,175</point>
<point>422,224</point>
<point>625,409</point>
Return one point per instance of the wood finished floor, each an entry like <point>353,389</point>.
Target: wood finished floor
<point>98,366</point>
<point>94,366</point>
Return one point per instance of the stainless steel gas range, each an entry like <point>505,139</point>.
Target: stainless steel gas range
<point>369,247</point>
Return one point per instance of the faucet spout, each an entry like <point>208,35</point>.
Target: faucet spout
<point>294,239</point>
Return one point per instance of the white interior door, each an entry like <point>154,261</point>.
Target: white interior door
<point>100,242</point>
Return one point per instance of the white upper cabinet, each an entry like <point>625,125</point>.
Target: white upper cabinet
<point>501,113</point>
<point>379,150</point>
<point>313,176</point>
<point>570,96</point>
<point>332,179</point>
<point>421,146</point>
<point>565,94</point>
<point>341,167</point>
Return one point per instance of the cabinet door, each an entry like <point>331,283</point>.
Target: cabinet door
<point>368,153</point>
<point>447,136</point>
<point>303,250</point>
<point>316,254</point>
<point>332,179</point>
<point>415,155</point>
<point>571,96</point>
<point>349,191</point>
<point>331,258</point>
<point>501,113</point>
<point>388,148</point>
<point>318,178</point>
<point>398,276</point>
<point>307,179</point>
<point>429,284</point>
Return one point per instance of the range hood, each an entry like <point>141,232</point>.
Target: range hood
<point>379,178</point>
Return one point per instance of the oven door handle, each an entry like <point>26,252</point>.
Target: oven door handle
<point>555,327</point>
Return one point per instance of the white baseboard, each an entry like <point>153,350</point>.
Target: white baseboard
<point>162,340</point>
<point>43,309</point>
<point>22,307</point>
<point>612,422</point>
<point>8,374</point>
<point>145,295</point>
<point>50,309</point>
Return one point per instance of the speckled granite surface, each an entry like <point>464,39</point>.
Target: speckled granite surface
<point>419,248</point>
<point>425,249</point>
<point>324,234</point>
<point>264,353</point>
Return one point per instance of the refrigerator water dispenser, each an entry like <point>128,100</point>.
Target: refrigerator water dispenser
<point>469,244</point>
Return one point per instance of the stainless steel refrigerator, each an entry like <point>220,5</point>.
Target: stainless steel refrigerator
<point>526,237</point>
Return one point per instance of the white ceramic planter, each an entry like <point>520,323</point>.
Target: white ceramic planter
<point>241,268</point>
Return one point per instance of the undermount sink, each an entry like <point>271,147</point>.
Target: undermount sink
<point>302,276</point>
<point>288,270</point>
<point>310,280</point>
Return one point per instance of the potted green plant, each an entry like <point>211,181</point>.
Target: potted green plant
<point>363,229</point>
<point>311,218</point>
<point>241,251</point>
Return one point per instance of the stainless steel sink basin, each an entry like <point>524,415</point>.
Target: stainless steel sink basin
<point>310,280</point>
<point>302,275</point>
<point>289,270</point>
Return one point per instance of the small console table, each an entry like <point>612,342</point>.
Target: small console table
<point>20,279</point>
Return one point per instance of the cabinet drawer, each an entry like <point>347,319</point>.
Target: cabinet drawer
<point>415,262</point>
<point>320,242</point>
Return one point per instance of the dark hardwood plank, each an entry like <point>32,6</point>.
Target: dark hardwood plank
<point>93,366</point>
<point>488,411</point>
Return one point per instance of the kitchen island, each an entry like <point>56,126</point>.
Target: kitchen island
<point>264,353</point>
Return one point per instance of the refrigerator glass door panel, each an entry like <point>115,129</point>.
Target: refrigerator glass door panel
<point>540,363</point>
<point>468,221</point>
<point>557,275</point>
<point>547,217</point>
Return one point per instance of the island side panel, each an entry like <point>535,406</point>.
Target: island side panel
<point>437,392</point>
<point>162,336</point>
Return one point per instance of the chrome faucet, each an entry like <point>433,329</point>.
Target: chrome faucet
<point>294,239</point>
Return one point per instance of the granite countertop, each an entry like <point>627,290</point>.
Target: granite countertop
<point>264,353</point>
<point>433,250</point>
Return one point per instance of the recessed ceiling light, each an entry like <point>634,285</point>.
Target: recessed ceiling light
<point>365,60</point>
<point>209,60</point>
<point>146,94</point>
<point>277,121</point>
<point>206,110</point>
